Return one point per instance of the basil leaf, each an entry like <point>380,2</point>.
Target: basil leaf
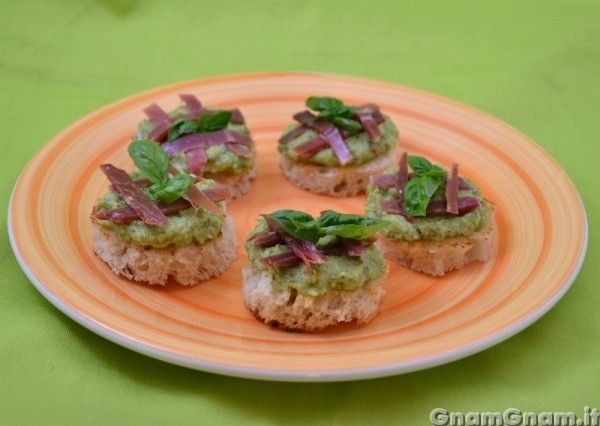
<point>423,167</point>
<point>213,122</point>
<point>151,160</point>
<point>174,189</point>
<point>351,226</point>
<point>298,224</point>
<point>347,123</point>
<point>182,127</point>
<point>418,192</point>
<point>323,103</point>
<point>206,123</point>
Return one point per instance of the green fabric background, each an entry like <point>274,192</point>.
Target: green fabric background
<point>533,64</point>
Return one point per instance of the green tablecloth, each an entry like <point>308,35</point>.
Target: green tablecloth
<point>533,64</point>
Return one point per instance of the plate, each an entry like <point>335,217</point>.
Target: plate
<point>541,239</point>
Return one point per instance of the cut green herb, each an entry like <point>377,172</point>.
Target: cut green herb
<point>206,123</point>
<point>334,111</point>
<point>305,227</point>
<point>420,189</point>
<point>153,162</point>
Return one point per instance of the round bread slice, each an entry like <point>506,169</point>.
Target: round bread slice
<point>294,311</point>
<point>438,257</point>
<point>238,183</point>
<point>346,181</point>
<point>188,265</point>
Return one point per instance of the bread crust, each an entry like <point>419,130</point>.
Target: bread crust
<point>346,181</point>
<point>238,183</point>
<point>438,257</point>
<point>187,265</point>
<point>294,311</point>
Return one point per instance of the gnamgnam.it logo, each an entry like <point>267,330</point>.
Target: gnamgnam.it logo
<point>514,417</point>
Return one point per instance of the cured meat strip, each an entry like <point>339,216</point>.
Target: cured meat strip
<point>196,159</point>
<point>384,181</point>
<point>237,117</point>
<point>293,134</point>
<point>161,120</point>
<point>438,207</point>
<point>353,247</point>
<point>452,190</point>
<point>304,249</point>
<point>329,132</point>
<point>193,105</point>
<point>395,207</point>
<point>205,140</point>
<point>266,239</point>
<point>127,214</point>
<point>133,196</point>
<point>239,149</point>
<point>281,260</point>
<point>369,124</point>
<point>311,146</point>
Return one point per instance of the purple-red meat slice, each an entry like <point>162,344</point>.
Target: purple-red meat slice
<point>311,146</point>
<point>134,196</point>
<point>281,260</point>
<point>193,106</point>
<point>196,159</point>
<point>452,190</point>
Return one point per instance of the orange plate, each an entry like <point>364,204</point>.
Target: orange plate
<point>424,321</point>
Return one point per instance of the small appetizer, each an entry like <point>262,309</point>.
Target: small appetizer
<point>438,221</point>
<point>307,273</point>
<point>204,141</point>
<point>157,223</point>
<point>334,152</point>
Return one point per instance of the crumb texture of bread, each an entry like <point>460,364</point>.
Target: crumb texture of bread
<point>238,183</point>
<point>337,182</point>
<point>294,311</point>
<point>438,257</point>
<point>188,265</point>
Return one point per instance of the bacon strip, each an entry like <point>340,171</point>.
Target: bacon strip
<point>311,147</point>
<point>304,249</point>
<point>133,196</point>
<point>281,260</point>
<point>266,239</point>
<point>193,105</point>
<point>196,159</point>
<point>438,207</point>
<point>452,190</point>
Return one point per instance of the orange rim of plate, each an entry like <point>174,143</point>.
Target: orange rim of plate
<point>541,239</point>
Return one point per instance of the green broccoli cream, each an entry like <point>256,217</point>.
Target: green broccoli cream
<point>340,272</point>
<point>184,228</point>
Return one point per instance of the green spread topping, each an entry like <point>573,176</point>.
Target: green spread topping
<point>325,237</point>
<point>427,186</point>
<point>153,162</point>
<point>183,228</point>
<point>220,159</point>
<point>360,146</point>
